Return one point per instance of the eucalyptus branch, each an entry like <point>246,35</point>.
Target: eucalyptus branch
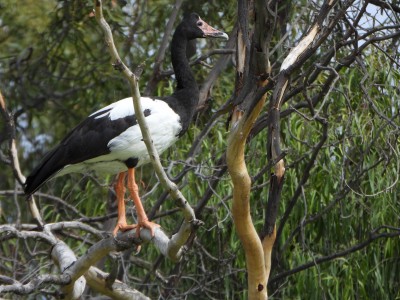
<point>190,219</point>
<point>73,268</point>
<point>33,285</point>
<point>98,281</point>
<point>95,278</point>
<point>14,158</point>
<point>373,235</point>
<point>45,196</point>
<point>74,225</point>
<point>241,125</point>
<point>10,231</point>
<point>65,257</point>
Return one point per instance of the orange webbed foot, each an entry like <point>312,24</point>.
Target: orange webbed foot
<point>123,227</point>
<point>149,225</point>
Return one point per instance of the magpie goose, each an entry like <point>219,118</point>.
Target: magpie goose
<point>110,141</point>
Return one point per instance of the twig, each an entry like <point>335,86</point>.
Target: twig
<point>372,237</point>
<point>74,225</point>
<point>14,158</point>
<point>11,231</point>
<point>34,284</point>
<point>46,196</point>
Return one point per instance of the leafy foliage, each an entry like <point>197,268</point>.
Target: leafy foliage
<point>338,222</point>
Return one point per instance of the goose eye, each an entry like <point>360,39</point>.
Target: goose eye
<point>199,23</point>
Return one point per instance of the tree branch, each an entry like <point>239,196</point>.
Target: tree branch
<point>97,280</point>
<point>241,125</point>
<point>373,235</point>
<point>14,158</point>
<point>73,269</point>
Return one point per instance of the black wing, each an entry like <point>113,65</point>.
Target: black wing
<point>86,141</point>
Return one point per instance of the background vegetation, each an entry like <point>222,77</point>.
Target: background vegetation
<point>338,223</point>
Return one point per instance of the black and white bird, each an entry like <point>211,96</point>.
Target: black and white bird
<point>110,141</point>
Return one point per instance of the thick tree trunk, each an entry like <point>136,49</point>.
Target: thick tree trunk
<point>257,277</point>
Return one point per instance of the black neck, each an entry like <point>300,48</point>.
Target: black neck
<point>186,96</point>
<point>180,63</point>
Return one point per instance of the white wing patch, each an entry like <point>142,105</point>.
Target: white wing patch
<point>119,109</point>
<point>163,123</point>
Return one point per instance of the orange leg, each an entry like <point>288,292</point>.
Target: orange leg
<point>120,191</point>
<point>143,221</point>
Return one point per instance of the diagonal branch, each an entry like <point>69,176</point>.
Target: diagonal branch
<point>9,120</point>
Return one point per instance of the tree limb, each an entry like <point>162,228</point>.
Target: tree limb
<point>373,235</point>
<point>14,158</point>
<point>97,280</point>
<point>241,125</point>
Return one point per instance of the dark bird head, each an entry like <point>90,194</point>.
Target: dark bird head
<point>194,27</point>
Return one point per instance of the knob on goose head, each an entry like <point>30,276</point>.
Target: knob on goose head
<point>193,27</point>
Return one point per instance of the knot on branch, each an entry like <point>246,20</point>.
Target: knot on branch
<point>268,231</point>
<point>263,77</point>
<point>118,65</point>
<point>139,70</point>
<point>196,223</point>
<point>65,279</point>
<point>126,242</point>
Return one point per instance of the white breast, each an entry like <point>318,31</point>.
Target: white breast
<point>164,125</point>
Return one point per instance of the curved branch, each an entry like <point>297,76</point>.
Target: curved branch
<point>241,125</point>
<point>14,158</point>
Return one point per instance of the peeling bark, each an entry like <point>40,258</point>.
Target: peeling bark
<point>257,278</point>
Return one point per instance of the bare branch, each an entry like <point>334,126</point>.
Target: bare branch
<point>14,158</point>
<point>97,280</point>
<point>11,231</point>
<point>34,284</point>
<point>65,257</point>
<point>373,235</point>
<point>73,269</point>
